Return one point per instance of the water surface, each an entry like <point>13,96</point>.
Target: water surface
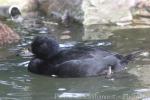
<point>16,83</point>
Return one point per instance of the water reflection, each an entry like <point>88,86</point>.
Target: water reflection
<point>17,83</point>
<point>96,32</point>
<point>82,88</point>
<point>131,39</point>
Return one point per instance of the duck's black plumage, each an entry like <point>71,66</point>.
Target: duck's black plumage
<point>73,62</point>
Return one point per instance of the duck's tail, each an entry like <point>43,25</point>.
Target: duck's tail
<point>129,57</point>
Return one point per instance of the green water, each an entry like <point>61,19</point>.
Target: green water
<point>16,83</point>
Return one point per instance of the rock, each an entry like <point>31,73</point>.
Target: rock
<point>91,12</point>
<point>88,12</point>
<point>26,5</point>
<point>7,35</point>
<point>106,11</point>
<point>59,8</point>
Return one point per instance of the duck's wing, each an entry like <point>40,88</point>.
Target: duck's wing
<point>79,53</point>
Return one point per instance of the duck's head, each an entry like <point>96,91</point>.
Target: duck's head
<point>44,47</point>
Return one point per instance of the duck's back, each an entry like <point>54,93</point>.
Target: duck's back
<point>79,53</point>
